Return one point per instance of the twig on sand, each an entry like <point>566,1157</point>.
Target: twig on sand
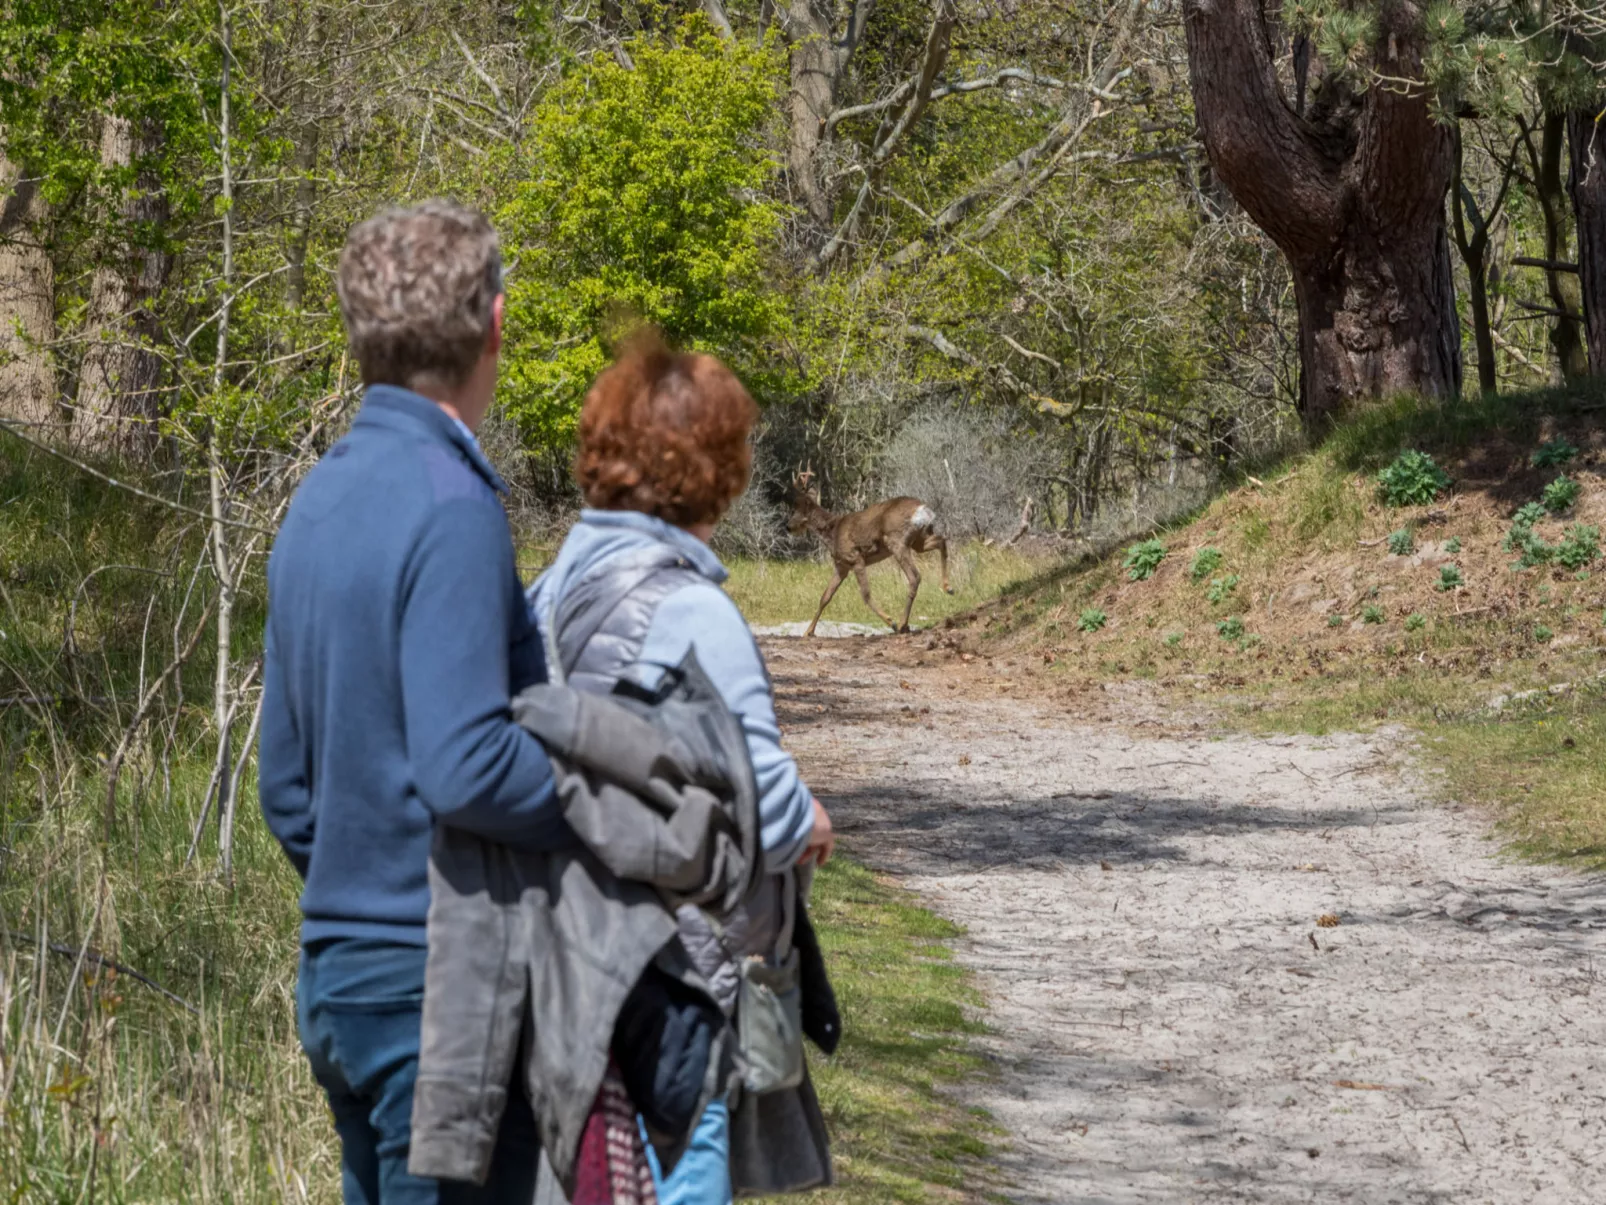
<point>1466,1146</point>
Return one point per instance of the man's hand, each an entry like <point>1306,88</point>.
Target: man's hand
<point>822,841</point>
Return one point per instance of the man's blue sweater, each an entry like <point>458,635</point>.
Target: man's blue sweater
<point>397,633</point>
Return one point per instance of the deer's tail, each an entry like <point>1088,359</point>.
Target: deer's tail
<point>924,518</point>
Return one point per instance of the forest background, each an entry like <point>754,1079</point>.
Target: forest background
<point>1072,262</point>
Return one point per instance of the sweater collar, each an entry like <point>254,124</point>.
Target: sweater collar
<point>399,409</point>
<point>700,555</point>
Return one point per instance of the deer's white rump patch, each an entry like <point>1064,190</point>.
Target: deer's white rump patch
<point>924,518</point>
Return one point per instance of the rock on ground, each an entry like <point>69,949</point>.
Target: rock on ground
<point>1173,1022</point>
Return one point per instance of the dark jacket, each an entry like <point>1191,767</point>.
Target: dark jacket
<point>396,634</point>
<point>533,955</point>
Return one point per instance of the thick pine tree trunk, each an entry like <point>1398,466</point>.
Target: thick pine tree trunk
<point>117,381</point>
<point>1587,184</point>
<point>27,304</point>
<point>1353,195</point>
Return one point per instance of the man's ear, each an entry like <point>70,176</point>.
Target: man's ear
<point>493,341</point>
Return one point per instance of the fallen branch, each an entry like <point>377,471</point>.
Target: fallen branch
<point>99,959</point>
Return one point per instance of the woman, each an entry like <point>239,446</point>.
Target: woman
<point>664,451</point>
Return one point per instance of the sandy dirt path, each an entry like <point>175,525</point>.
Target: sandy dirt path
<point>1142,901</point>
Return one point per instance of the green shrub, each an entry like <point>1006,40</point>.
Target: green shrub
<point>1522,538</point>
<point>1335,621</point>
<point>1453,545</point>
<point>1450,577</point>
<point>1230,629</point>
<point>1561,493</point>
<point>1401,543</point>
<point>1173,639</point>
<point>1091,620</point>
<point>1372,614</point>
<point>1415,622</point>
<point>1579,547</point>
<point>1220,588</point>
<point>1205,562</point>
<point>1143,559</point>
<point>1552,453</point>
<point>1542,634</point>
<point>1414,479</point>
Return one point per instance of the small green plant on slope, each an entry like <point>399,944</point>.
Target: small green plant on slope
<point>1453,545</point>
<point>1173,639</point>
<point>1415,622</point>
<point>1561,493</point>
<point>1552,453</point>
<point>1143,559</point>
<point>1335,621</point>
<point>1230,629</point>
<point>1205,562</point>
<point>1450,577</point>
<point>1091,620</point>
<point>1219,590</point>
<point>1579,547</point>
<point>1414,479</point>
<point>1522,538</point>
<point>1401,543</point>
<point>1542,634</point>
<point>1372,614</point>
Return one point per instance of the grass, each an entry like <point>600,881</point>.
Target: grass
<point>773,592</point>
<point>110,1091</point>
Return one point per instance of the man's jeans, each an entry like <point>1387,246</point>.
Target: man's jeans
<point>359,1005</point>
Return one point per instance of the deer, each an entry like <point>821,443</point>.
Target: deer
<point>897,529</point>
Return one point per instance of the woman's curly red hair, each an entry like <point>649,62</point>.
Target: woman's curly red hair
<point>665,433</point>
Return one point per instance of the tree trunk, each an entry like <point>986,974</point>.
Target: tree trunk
<point>117,380</point>
<point>1588,187</point>
<point>1353,196</point>
<point>1566,336</point>
<point>306,194</point>
<point>814,68</point>
<point>27,303</point>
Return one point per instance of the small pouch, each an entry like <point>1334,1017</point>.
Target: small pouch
<point>769,1025</point>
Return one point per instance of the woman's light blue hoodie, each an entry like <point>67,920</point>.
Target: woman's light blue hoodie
<point>703,617</point>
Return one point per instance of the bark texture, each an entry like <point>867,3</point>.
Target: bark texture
<point>117,398</point>
<point>27,302</point>
<point>1587,183</point>
<point>1353,195</point>
<point>818,59</point>
<point>1566,327</point>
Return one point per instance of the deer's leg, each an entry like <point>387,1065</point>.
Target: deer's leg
<point>863,575</point>
<point>911,571</point>
<point>941,545</point>
<point>825,599</point>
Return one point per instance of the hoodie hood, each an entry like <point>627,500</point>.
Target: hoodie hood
<point>602,535</point>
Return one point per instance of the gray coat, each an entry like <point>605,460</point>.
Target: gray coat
<point>538,950</point>
<point>594,635</point>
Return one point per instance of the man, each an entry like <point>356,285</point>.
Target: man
<point>397,633</point>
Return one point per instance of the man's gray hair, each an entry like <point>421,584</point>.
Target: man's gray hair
<point>416,289</point>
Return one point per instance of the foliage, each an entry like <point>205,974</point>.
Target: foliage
<point>1221,588</point>
<point>1401,542</point>
<point>1561,494</point>
<point>1091,620</point>
<point>1335,621</point>
<point>1413,479</point>
<point>1453,545</point>
<point>1205,562</point>
<point>1580,546</point>
<point>1522,538</point>
<point>1231,628</point>
<point>1553,452</point>
<point>1173,639</point>
<point>639,195</point>
<point>1450,577</point>
<point>1143,559</point>
<point>1415,622</point>
<point>1372,613</point>
<point>1542,633</point>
